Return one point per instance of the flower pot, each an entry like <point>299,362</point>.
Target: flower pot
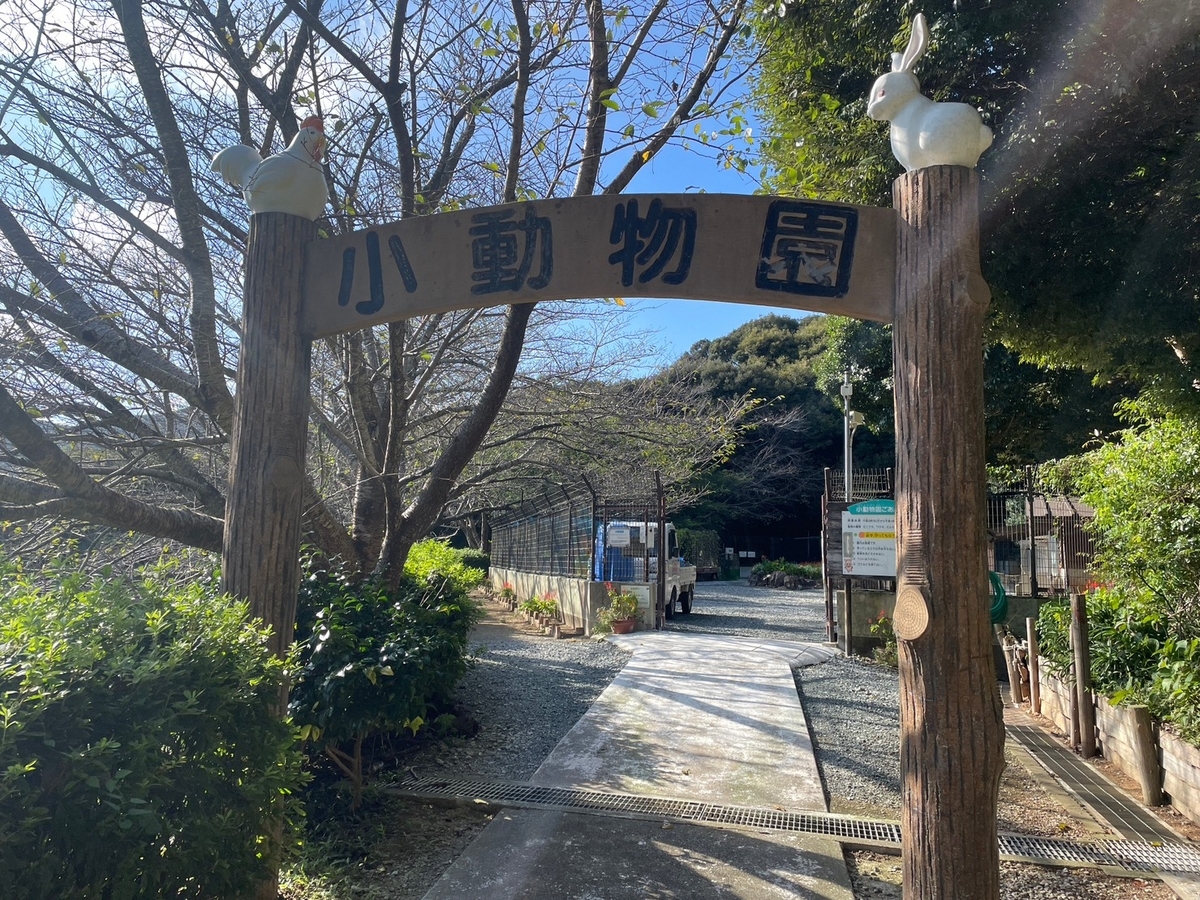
<point>623,626</point>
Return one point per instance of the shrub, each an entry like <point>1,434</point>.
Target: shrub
<point>768,566</point>
<point>539,606</point>
<point>375,662</point>
<point>888,654</point>
<point>435,559</point>
<point>1054,637</point>
<point>139,753</point>
<point>1175,693</point>
<point>475,559</point>
<point>1146,493</point>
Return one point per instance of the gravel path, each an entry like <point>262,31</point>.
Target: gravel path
<point>526,691</point>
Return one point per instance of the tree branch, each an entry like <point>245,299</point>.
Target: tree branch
<point>213,388</point>
<point>95,503</point>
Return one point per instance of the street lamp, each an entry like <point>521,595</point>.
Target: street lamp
<point>852,420</point>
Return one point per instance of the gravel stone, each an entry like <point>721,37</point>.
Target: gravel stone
<point>525,691</point>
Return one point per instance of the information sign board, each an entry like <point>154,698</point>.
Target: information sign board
<point>869,539</point>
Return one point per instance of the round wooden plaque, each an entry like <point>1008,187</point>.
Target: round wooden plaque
<point>911,617</point>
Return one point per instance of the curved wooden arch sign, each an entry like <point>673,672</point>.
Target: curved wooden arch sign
<point>772,251</point>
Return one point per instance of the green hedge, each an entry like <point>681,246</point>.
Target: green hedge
<point>138,753</point>
<point>475,559</point>
<point>1144,625</point>
<point>437,560</point>
<point>1134,656</point>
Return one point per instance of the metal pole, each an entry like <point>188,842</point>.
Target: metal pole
<point>847,393</point>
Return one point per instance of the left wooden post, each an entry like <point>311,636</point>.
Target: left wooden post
<point>260,558</point>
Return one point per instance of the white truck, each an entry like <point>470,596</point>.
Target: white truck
<point>627,552</point>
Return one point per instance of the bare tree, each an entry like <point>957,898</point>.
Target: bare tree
<point>121,252</point>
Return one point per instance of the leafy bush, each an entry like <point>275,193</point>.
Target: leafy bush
<point>374,662</point>
<point>1144,627</point>
<point>139,753</point>
<point>1175,693</point>
<point>770,566</point>
<point>1146,493</point>
<point>475,559</point>
<point>888,654</point>
<point>1125,640</point>
<point>1054,637</point>
<point>430,560</point>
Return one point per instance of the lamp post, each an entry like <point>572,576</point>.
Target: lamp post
<point>852,420</point>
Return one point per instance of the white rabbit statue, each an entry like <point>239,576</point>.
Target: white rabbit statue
<point>925,133</point>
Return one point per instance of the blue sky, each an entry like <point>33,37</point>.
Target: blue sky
<point>681,323</point>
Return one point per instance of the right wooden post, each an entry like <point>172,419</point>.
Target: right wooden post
<point>1035,684</point>
<point>951,732</point>
<point>1083,676</point>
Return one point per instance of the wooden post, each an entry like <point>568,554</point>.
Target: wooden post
<point>1035,685</point>
<point>1083,676</point>
<point>849,615</point>
<point>951,733</point>
<point>1145,751</point>
<point>1072,695</point>
<point>830,626</point>
<point>260,560</point>
<point>1015,690</point>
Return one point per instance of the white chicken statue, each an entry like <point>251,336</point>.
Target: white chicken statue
<point>288,182</point>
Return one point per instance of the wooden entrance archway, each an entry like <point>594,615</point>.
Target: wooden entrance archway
<point>916,266</point>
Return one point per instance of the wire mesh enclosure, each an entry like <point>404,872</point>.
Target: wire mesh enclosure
<point>607,532</point>
<point>1039,543</point>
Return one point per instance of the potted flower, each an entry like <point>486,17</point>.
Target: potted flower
<point>621,614</point>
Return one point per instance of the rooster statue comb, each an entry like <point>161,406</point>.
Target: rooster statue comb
<point>289,182</point>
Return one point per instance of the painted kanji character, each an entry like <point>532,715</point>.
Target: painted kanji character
<point>503,251</point>
<point>654,239</point>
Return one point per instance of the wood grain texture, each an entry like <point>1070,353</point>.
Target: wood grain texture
<point>951,750</point>
<point>260,560</point>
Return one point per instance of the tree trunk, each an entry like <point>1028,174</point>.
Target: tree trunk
<point>260,561</point>
<point>951,736</point>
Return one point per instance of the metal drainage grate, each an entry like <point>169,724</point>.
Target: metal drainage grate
<point>1128,856</point>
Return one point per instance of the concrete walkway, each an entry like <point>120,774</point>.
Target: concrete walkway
<point>690,717</point>
<point>712,719</point>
